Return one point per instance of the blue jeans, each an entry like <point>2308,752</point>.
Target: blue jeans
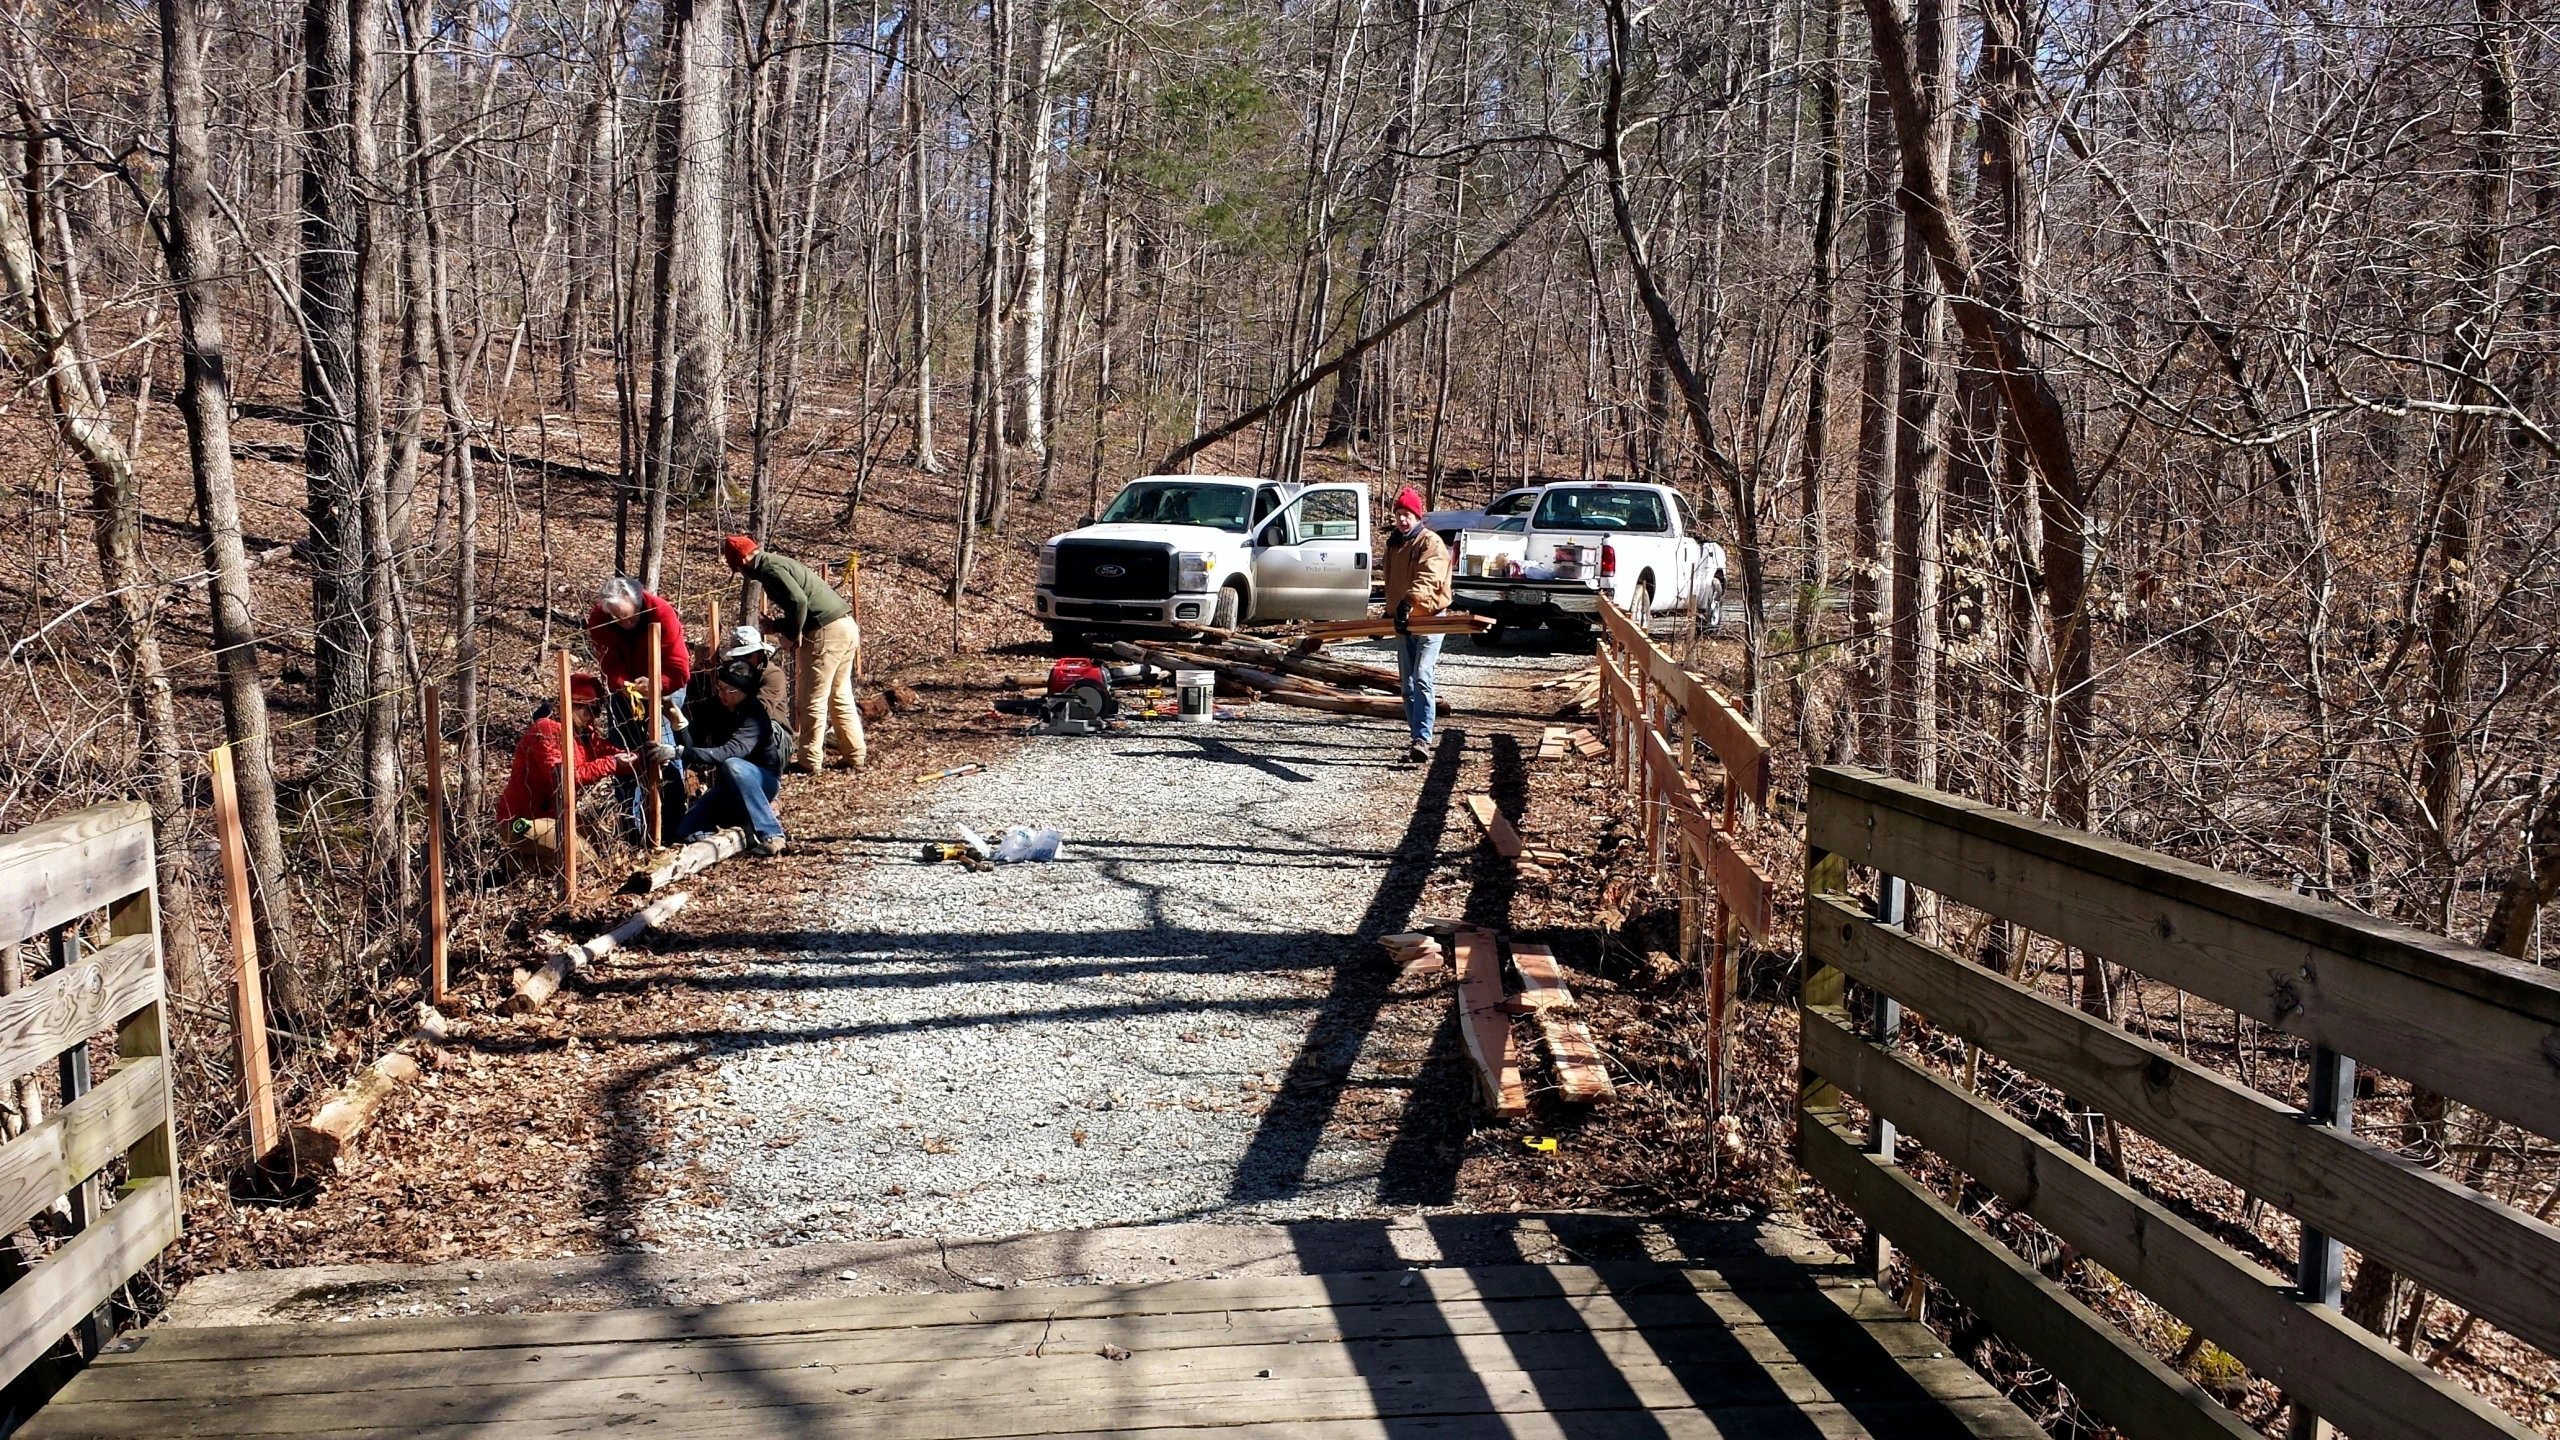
<point>741,790</point>
<point>1417,656</point>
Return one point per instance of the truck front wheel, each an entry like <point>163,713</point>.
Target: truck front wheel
<point>1230,609</point>
<point>1065,640</point>
<point>1711,610</point>
<point>1641,611</point>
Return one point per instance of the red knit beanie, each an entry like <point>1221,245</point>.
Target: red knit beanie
<point>586,689</point>
<point>1409,499</point>
<point>737,550</point>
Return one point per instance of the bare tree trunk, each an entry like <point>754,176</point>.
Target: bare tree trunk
<point>1813,594</point>
<point>79,407</point>
<point>1919,466</point>
<point>332,454</point>
<point>385,795</point>
<point>983,497</point>
<point>204,403</point>
<point>1030,411</point>
<point>1870,590</point>
<point>919,256</point>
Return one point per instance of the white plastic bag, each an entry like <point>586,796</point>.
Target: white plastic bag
<point>1023,843</point>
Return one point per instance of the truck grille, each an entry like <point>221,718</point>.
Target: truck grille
<point>1086,570</point>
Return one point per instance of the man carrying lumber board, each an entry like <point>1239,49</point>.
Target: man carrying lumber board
<point>739,750</point>
<point>811,618</point>
<point>531,831</point>
<point>1417,586</point>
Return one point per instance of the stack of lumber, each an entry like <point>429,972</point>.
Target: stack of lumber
<point>1411,948</point>
<point>1274,672</point>
<point>1579,1074</point>
<point>1582,690</point>
<point>1552,743</point>
<point>1484,1024</point>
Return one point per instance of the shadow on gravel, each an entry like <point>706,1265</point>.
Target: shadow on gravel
<point>1275,1162</point>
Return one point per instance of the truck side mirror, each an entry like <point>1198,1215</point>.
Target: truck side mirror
<point>1088,520</point>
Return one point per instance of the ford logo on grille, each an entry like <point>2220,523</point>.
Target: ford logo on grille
<point>1113,572</point>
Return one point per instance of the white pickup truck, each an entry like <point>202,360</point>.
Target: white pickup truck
<point>1636,544</point>
<point>1223,550</point>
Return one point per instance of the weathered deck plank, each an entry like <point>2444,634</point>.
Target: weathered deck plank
<point>1766,1349</point>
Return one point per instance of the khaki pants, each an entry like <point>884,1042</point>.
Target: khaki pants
<point>537,850</point>
<point>822,695</point>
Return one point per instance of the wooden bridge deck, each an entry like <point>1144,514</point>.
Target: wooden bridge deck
<point>1764,1348</point>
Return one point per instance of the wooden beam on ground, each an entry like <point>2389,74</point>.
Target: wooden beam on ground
<point>1485,1026</point>
<point>535,988</point>
<point>693,859</point>
<point>1580,1076</point>
<point>324,1141</point>
<point>1506,841</point>
<point>1542,984</point>
<point>1551,743</point>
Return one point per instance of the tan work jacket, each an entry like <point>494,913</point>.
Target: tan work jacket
<point>1418,570</point>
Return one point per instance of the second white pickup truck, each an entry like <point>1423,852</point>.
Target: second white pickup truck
<point>1636,544</point>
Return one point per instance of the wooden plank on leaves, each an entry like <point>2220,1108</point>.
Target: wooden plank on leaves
<point>50,1015</point>
<point>2345,1372</point>
<point>2483,1255</point>
<point>61,869</point>
<point>73,1281</point>
<point>1506,841</point>
<point>2464,1022</point>
<point>1485,1025</point>
<point>1542,984</point>
<point>1580,1075</point>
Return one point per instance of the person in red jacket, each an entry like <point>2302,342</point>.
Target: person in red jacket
<point>618,631</point>
<point>531,830</point>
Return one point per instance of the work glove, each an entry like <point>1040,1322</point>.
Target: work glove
<point>1404,617</point>
<point>660,756</point>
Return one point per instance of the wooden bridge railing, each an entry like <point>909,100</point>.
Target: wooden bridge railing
<point>54,878</point>
<point>2456,1020</point>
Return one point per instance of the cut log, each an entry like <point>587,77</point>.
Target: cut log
<point>535,988</point>
<point>1340,704</point>
<point>326,1140</point>
<point>1542,984</point>
<point>693,859</point>
<point>1580,1076</point>
<point>1484,1026</point>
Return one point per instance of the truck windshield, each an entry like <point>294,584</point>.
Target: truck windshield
<point>1178,502</point>
<point>1599,510</point>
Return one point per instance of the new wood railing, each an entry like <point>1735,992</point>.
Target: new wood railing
<point>1655,716</point>
<point>105,974</point>
<point>2465,1023</point>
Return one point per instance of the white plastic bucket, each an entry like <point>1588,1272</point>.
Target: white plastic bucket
<point>1199,692</point>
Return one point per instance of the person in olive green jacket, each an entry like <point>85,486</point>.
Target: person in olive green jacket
<point>816,623</point>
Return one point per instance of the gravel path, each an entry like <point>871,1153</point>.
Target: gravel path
<point>1123,1035</point>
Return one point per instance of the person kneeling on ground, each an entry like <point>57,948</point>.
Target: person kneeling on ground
<point>747,646</point>
<point>811,618</point>
<point>739,750</point>
<point>1417,587</point>
<point>531,830</point>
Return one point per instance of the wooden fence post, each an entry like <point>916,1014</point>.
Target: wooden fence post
<point>248,996</point>
<point>567,826</point>
<point>438,935</point>
<point>648,783</point>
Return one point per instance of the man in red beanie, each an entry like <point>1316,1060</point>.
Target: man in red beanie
<point>816,623</point>
<point>1417,586</point>
<point>531,831</point>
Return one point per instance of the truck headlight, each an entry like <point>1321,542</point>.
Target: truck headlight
<point>1049,564</point>
<point>1193,567</point>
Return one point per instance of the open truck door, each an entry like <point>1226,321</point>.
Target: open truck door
<point>1311,556</point>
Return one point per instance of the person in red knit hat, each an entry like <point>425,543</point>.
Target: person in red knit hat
<point>618,631</point>
<point>532,833</point>
<point>1416,586</point>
